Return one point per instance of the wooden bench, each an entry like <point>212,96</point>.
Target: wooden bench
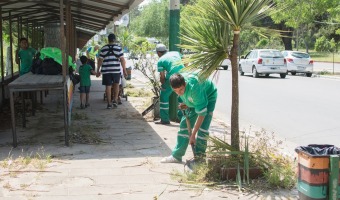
<point>36,82</point>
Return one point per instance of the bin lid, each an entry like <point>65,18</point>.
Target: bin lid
<point>319,149</point>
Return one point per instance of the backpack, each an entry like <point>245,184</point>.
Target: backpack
<point>75,78</point>
<point>50,67</point>
<point>110,52</point>
<point>36,65</point>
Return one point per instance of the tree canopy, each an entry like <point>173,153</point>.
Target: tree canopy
<point>151,20</point>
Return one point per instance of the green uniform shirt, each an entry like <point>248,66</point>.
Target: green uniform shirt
<point>198,94</point>
<point>171,63</point>
<point>85,73</point>
<point>26,58</point>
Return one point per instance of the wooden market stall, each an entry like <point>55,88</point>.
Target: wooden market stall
<point>65,24</point>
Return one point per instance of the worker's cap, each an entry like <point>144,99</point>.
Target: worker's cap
<point>112,37</point>
<point>160,47</point>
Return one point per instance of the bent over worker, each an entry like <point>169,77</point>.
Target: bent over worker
<point>199,98</point>
<point>168,64</point>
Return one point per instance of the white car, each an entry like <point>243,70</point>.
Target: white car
<point>225,64</point>
<point>298,62</point>
<point>263,62</point>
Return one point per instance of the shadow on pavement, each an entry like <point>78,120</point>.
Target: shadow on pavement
<point>95,132</point>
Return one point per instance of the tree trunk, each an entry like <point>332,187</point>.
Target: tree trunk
<point>287,41</point>
<point>235,138</point>
<point>52,35</point>
<point>287,36</point>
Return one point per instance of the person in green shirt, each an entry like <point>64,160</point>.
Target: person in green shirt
<point>92,54</point>
<point>85,71</point>
<point>168,64</point>
<point>25,56</point>
<point>199,99</point>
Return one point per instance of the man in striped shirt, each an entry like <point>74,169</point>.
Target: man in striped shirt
<point>110,58</point>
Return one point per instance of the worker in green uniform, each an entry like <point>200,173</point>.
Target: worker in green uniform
<point>199,99</point>
<point>168,64</point>
<point>25,56</point>
<point>92,54</point>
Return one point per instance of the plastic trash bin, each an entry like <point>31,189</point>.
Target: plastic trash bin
<point>316,172</point>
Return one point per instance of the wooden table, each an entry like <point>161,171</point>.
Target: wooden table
<point>37,82</point>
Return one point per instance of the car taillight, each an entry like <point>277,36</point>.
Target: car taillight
<point>311,62</point>
<point>259,61</point>
<point>290,60</point>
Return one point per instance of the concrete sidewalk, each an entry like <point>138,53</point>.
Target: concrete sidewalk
<point>114,154</point>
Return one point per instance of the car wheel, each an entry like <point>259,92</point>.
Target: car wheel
<point>240,70</point>
<point>293,73</point>
<point>267,75</point>
<point>255,74</point>
<point>309,74</point>
<point>283,75</point>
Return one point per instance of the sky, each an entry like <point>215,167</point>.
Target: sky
<point>145,2</point>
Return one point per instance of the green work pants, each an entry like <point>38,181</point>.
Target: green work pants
<point>164,101</point>
<point>201,137</point>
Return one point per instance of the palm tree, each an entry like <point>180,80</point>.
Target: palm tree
<point>125,38</point>
<point>213,30</point>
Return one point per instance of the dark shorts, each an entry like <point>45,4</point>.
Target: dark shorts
<point>109,79</point>
<point>84,89</point>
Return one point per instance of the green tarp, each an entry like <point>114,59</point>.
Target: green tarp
<point>55,53</point>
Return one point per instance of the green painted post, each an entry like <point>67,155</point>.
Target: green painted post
<point>173,41</point>
<point>334,177</point>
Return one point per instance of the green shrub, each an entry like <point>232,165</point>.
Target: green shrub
<point>322,44</point>
<point>262,43</point>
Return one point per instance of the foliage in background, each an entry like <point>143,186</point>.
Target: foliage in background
<point>151,20</point>
<point>307,18</point>
<point>322,44</point>
<point>125,38</point>
<point>147,64</point>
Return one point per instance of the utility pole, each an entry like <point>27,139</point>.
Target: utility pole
<point>173,42</point>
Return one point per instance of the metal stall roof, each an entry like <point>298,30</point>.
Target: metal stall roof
<point>90,16</point>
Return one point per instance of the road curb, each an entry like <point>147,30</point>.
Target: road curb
<point>328,77</point>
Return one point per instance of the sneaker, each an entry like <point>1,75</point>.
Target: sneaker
<point>87,105</point>
<point>170,159</point>
<point>109,106</point>
<point>114,103</point>
<point>82,106</point>
<point>162,122</point>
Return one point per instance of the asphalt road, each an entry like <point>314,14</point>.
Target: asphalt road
<point>300,109</point>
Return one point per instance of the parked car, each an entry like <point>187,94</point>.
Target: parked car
<point>225,64</point>
<point>298,62</point>
<point>263,62</point>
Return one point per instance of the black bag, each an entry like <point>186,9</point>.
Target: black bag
<point>36,65</point>
<point>50,67</point>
